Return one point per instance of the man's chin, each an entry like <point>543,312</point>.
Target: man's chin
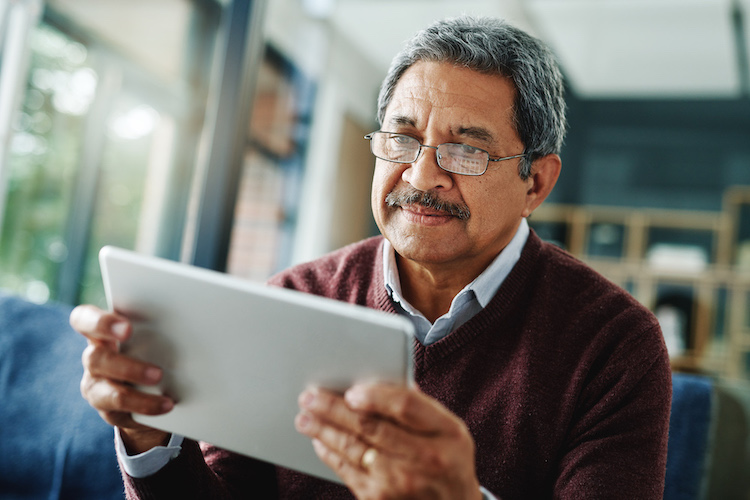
<point>423,248</point>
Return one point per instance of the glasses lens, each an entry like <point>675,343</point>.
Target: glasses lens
<point>463,159</point>
<point>394,147</point>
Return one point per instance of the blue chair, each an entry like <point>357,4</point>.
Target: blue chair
<point>709,450</point>
<point>689,430</point>
<point>53,445</point>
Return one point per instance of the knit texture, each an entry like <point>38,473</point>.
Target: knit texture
<point>563,380</point>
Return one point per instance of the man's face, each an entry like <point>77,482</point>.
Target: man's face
<point>437,103</point>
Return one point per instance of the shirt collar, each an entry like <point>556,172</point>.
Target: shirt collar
<point>483,287</point>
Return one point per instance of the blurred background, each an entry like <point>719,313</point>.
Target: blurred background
<point>228,134</point>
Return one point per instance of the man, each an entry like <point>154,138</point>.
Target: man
<point>537,377</point>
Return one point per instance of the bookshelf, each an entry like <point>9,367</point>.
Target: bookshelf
<point>692,268</point>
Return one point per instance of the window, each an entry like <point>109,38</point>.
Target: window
<point>105,140</point>
<point>268,195</point>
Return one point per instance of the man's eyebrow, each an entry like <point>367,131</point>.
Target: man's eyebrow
<point>478,133</point>
<point>402,120</point>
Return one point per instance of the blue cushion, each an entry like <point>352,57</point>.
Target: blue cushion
<point>52,443</point>
<point>689,426</point>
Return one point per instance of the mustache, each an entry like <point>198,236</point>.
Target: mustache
<point>427,199</point>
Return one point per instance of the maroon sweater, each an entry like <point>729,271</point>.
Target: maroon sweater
<point>563,380</point>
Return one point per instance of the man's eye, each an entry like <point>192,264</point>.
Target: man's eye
<point>469,150</point>
<point>402,139</point>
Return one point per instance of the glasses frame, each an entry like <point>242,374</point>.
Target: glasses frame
<point>369,137</point>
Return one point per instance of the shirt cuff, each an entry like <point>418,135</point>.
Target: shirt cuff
<point>486,495</point>
<point>149,462</point>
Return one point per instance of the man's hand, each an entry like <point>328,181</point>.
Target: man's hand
<point>108,377</point>
<point>385,441</point>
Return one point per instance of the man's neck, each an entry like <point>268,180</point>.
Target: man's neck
<point>431,289</point>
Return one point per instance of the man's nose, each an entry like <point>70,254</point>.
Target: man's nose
<point>425,174</point>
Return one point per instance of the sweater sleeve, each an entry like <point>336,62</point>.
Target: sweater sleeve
<point>204,472</point>
<point>617,443</point>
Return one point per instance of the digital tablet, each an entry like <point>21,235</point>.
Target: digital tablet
<point>236,354</point>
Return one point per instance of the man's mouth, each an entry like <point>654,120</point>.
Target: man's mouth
<point>426,203</point>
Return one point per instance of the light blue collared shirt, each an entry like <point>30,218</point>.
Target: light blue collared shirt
<point>473,298</point>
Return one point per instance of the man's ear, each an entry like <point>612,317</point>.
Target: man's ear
<point>544,174</point>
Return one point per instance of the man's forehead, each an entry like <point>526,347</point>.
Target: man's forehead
<point>443,85</point>
<point>462,102</point>
<point>451,78</point>
<point>412,104</point>
<point>435,89</point>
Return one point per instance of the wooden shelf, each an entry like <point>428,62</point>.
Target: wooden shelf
<point>622,244</point>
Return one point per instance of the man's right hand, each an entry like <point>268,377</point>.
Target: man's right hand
<point>109,376</point>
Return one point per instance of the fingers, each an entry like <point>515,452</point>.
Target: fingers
<point>107,386</point>
<point>410,408</point>
<point>350,471</point>
<point>113,398</point>
<point>343,452</point>
<point>110,398</point>
<point>327,417</point>
<point>102,362</point>
<point>96,324</point>
<point>380,454</point>
<point>350,446</point>
<point>101,359</point>
<point>109,376</point>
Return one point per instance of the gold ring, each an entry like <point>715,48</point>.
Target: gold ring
<point>368,458</point>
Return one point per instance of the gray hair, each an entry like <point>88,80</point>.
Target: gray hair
<point>492,46</point>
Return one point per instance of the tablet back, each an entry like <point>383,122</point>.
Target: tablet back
<point>236,355</point>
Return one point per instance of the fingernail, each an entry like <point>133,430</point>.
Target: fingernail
<point>153,374</point>
<point>355,396</point>
<point>318,445</point>
<point>84,319</point>
<point>119,329</point>
<point>302,422</point>
<point>306,399</point>
<point>167,405</point>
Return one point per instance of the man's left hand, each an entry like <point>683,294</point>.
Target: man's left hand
<point>386,441</point>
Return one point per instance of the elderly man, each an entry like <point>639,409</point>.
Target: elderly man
<point>537,378</point>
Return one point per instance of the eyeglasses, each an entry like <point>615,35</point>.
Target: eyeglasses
<point>456,158</point>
